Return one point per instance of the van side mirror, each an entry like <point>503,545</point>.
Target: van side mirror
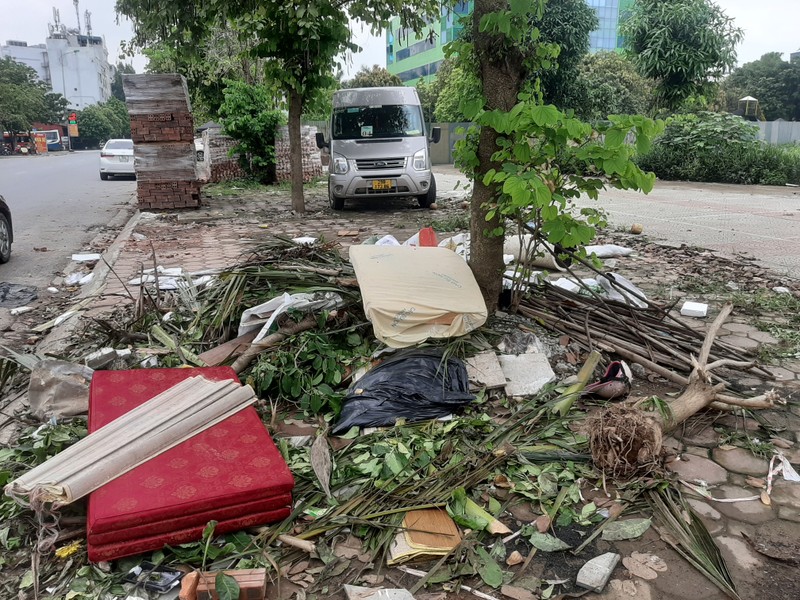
<point>321,143</point>
<point>436,134</point>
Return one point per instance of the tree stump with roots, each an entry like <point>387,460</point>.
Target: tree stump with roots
<point>625,440</point>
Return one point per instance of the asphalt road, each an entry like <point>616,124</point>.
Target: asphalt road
<point>58,203</point>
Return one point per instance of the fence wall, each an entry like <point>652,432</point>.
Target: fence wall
<point>779,132</point>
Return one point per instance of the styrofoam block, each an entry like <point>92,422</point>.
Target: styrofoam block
<point>526,374</point>
<point>694,309</point>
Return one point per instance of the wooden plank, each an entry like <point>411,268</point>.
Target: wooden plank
<point>155,87</point>
<point>230,349</point>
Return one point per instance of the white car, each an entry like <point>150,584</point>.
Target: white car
<point>116,158</point>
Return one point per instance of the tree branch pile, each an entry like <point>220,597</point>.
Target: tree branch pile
<point>648,336</point>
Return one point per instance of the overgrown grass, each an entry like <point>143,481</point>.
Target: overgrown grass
<point>450,223</point>
<point>234,187</point>
<point>786,329</point>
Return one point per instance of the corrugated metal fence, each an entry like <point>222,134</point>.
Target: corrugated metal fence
<point>779,132</point>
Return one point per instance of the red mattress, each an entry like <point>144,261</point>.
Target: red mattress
<point>231,473</point>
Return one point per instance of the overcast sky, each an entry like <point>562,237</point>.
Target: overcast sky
<point>769,25</point>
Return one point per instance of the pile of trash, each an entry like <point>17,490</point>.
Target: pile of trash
<point>402,424</point>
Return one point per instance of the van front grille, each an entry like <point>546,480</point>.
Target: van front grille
<point>380,164</point>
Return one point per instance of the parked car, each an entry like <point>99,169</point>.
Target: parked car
<point>6,232</point>
<point>116,158</point>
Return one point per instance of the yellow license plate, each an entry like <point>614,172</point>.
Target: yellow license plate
<point>382,184</point>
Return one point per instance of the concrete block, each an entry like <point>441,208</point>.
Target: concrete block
<point>526,374</point>
<point>694,309</point>
<point>484,370</point>
<point>595,574</point>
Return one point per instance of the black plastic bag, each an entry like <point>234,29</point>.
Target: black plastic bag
<point>415,385</point>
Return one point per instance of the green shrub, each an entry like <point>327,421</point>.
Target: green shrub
<point>719,148</point>
<point>249,115</point>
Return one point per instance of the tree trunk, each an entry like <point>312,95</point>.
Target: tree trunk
<point>296,151</point>
<point>501,72</point>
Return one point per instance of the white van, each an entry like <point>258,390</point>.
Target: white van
<point>379,146</point>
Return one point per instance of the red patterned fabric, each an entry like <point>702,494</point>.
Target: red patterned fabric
<point>101,552</point>
<point>230,470</point>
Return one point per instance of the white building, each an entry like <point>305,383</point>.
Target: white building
<point>34,57</point>
<point>79,68</point>
<point>72,64</point>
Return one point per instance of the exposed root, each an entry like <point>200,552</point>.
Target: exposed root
<point>624,441</point>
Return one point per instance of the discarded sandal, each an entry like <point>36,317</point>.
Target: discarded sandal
<point>616,383</point>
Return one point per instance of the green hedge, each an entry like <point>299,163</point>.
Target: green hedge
<point>719,148</point>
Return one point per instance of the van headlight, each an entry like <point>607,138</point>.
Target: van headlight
<point>421,160</point>
<point>340,165</point>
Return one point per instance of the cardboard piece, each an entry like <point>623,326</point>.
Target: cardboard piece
<point>411,294</point>
<point>426,533</point>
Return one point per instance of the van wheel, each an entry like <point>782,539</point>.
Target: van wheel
<point>334,202</point>
<point>425,200</point>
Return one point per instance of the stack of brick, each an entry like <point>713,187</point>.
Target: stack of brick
<point>312,165</point>
<point>162,130</point>
<point>218,164</point>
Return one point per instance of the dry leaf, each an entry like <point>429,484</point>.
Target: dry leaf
<point>779,442</point>
<point>726,447</point>
<point>651,560</point>
<point>373,579</point>
<point>542,523</point>
<point>514,558</point>
<point>321,462</point>
<point>765,498</point>
<point>755,482</point>
<point>502,481</point>
<point>517,593</point>
<point>615,510</point>
<point>639,569</point>
<point>299,568</point>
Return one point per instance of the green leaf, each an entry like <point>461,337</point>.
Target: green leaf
<point>488,569</point>
<point>615,138</point>
<point>494,506</point>
<point>545,115</point>
<point>547,543</point>
<point>227,588</point>
<point>625,530</point>
<point>394,462</point>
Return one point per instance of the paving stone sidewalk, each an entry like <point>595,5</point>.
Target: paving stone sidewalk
<point>226,229</point>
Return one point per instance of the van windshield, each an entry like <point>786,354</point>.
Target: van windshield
<point>367,122</point>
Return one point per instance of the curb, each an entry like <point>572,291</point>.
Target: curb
<point>58,338</point>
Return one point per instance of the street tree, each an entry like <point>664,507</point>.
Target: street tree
<point>567,23</point>
<point>686,46</point>
<point>375,76</point>
<point>120,69</point>
<point>611,85</point>
<point>530,160</point>
<point>25,100</point>
<point>95,126</point>
<point>772,80</point>
<point>298,40</point>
